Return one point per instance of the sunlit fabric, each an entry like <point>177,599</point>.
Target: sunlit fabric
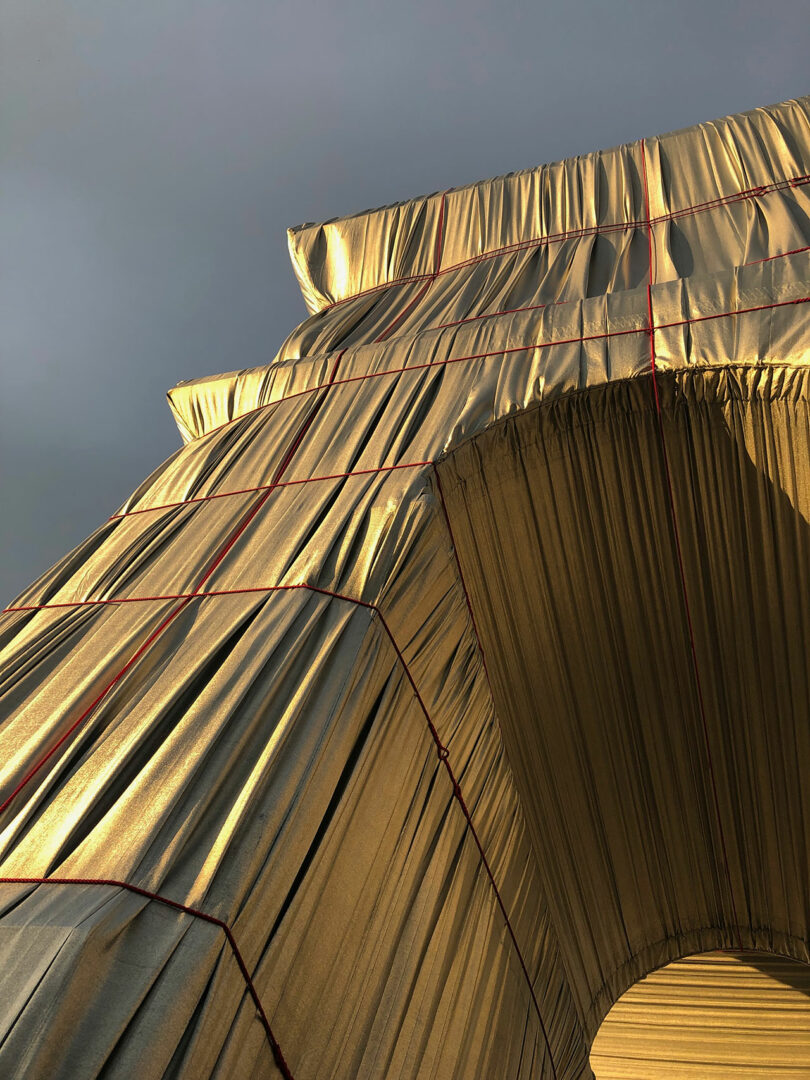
<point>711,1017</point>
<point>453,675</point>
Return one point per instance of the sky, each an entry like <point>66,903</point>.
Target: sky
<point>153,154</point>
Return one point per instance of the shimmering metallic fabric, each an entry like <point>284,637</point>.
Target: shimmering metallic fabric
<point>710,1017</point>
<point>487,600</point>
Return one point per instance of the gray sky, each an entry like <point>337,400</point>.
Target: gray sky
<point>153,153</point>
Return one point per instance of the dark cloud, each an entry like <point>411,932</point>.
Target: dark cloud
<point>154,153</point>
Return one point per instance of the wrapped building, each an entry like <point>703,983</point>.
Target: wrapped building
<point>453,675</point>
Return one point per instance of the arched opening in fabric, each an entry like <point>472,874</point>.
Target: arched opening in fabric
<point>657,749</point>
<point>710,1016</point>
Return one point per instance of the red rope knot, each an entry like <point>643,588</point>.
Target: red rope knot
<point>443,752</point>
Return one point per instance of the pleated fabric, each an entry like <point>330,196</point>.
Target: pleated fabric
<point>662,1030</point>
<point>452,676</point>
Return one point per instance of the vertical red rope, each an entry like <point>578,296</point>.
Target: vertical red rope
<point>681,571</point>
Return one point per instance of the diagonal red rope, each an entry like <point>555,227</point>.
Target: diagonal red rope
<point>437,258</point>
<point>676,535</point>
<point>561,303</point>
<point>195,913</point>
<point>220,555</point>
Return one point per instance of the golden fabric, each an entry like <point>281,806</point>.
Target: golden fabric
<point>710,1017</point>
<point>438,619</point>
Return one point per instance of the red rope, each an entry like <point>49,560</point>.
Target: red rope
<point>265,496</point>
<point>594,230</point>
<point>437,363</point>
<point>405,311</point>
<point>32,772</point>
<point>197,914</point>
<point>676,535</point>
<point>780,255</point>
<point>437,257</point>
<point>155,598</point>
<point>501,311</point>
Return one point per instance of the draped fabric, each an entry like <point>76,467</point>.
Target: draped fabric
<point>750,1018</point>
<point>452,676</point>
